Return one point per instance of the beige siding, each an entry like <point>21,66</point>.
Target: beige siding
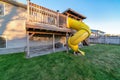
<point>12,24</point>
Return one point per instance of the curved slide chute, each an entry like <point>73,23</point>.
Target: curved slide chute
<point>83,32</point>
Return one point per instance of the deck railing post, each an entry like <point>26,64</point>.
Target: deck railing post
<point>58,19</point>
<point>28,9</point>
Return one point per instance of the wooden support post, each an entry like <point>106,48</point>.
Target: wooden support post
<point>67,48</point>
<point>28,46</point>
<point>53,42</point>
<point>67,35</point>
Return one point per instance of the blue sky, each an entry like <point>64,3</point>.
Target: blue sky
<point>101,14</point>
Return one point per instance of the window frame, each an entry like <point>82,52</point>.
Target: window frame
<point>3,9</point>
<point>3,36</point>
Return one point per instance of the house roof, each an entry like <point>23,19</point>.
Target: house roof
<point>74,14</point>
<point>93,30</point>
<point>13,2</point>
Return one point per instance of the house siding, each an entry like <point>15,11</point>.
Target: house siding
<point>12,25</point>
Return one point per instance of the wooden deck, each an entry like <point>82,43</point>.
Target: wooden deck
<point>40,14</point>
<point>41,20</point>
<point>45,19</point>
<point>47,27</point>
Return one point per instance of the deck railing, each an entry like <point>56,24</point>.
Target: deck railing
<point>44,15</point>
<point>62,20</point>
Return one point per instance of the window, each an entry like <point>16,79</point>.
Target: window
<point>2,42</point>
<point>51,20</point>
<point>1,9</point>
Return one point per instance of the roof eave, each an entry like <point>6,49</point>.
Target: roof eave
<point>15,3</point>
<point>69,9</point>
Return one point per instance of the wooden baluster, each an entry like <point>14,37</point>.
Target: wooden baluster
<point>57,19</point>
<point>44,16</point>
<point>35,13</point>
<point>38,14</point>
<point>39,18</point>
<point>47,17</point>
<point>30,13</point>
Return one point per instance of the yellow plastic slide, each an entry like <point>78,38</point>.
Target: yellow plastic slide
<point>82,33</point>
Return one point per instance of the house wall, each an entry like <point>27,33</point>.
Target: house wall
<point>46,40</point>
<point>12,25</point>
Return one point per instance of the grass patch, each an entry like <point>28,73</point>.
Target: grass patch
<point>102,62</point>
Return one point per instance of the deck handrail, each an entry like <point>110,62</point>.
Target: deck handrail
<point>40,14</point>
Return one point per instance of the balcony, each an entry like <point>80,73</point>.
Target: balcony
<point>41,18</point>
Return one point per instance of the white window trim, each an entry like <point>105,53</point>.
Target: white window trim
<point>3,10</point>
<point>5,40</point>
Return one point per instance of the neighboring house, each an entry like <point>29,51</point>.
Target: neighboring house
<point>41,25</point>
<point>96,36</point>
<point>100,37</point>
<point>96,33</point>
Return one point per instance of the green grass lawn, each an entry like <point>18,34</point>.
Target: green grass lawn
<point>102,62</point>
